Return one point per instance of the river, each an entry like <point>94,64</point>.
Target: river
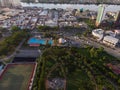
<point>72,6</point>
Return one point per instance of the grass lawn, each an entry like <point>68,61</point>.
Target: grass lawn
<point>16,77</point>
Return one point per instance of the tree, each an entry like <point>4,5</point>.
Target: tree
<point>96,54</point>
<point>0,34</point>
<point>3,30</point>
<point>118,81</point>
<point>8,45</point>
<point>15,29</point>
<point>92,50</point>
<point>55,42</point>
<point>101,49</point>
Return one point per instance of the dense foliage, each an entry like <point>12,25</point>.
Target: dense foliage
<point>47,28</point>
<point>9,44</point>
<point>83,68</point>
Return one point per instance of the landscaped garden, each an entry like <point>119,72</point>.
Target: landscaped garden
<point>9,44</point>
<point>81,68</point>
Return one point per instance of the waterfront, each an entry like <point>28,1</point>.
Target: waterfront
<point>72,6</point>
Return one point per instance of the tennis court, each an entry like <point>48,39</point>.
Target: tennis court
<point>17,76</point>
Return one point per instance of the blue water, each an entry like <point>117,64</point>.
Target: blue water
<point>50,42</point>
<point>72,6</point>
<point>39,41</point>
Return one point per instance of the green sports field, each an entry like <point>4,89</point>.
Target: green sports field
<point>16,77</point>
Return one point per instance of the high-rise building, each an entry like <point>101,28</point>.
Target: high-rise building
<point>5,2</point>
<point>117,19</point>
<point>36,1</point>
<point>15,2</point>
<point>1,2</point>
<point>8,3</point>
<point>100,15</point>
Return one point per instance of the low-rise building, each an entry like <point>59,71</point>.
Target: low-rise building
<point>117,32</point>
<point>61,41</point>
<point>51,23</point>
<point>98,33</point>
<point>110,33</point>
<point>44,14</point>
<point>111,41</point>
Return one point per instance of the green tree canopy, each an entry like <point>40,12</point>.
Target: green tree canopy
<point>15,29</point>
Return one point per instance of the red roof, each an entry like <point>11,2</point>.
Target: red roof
<point>115,68</point>
<point>36,45</point>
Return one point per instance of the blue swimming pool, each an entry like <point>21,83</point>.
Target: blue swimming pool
<point>50,42</point>
<point>39,41</point>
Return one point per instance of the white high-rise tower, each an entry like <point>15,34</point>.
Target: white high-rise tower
<point>100,15</point>
<point>8,3</point>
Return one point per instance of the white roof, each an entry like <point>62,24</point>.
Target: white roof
<point>111,33</point>
<point>117,31</point>
<point>98,31</point>
<point>61,40</point>
<point>111,39</point>
<point>45,12</point>
<point>50,23</point>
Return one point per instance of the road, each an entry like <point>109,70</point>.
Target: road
<point>87,41</point>
<point>114,52</point>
